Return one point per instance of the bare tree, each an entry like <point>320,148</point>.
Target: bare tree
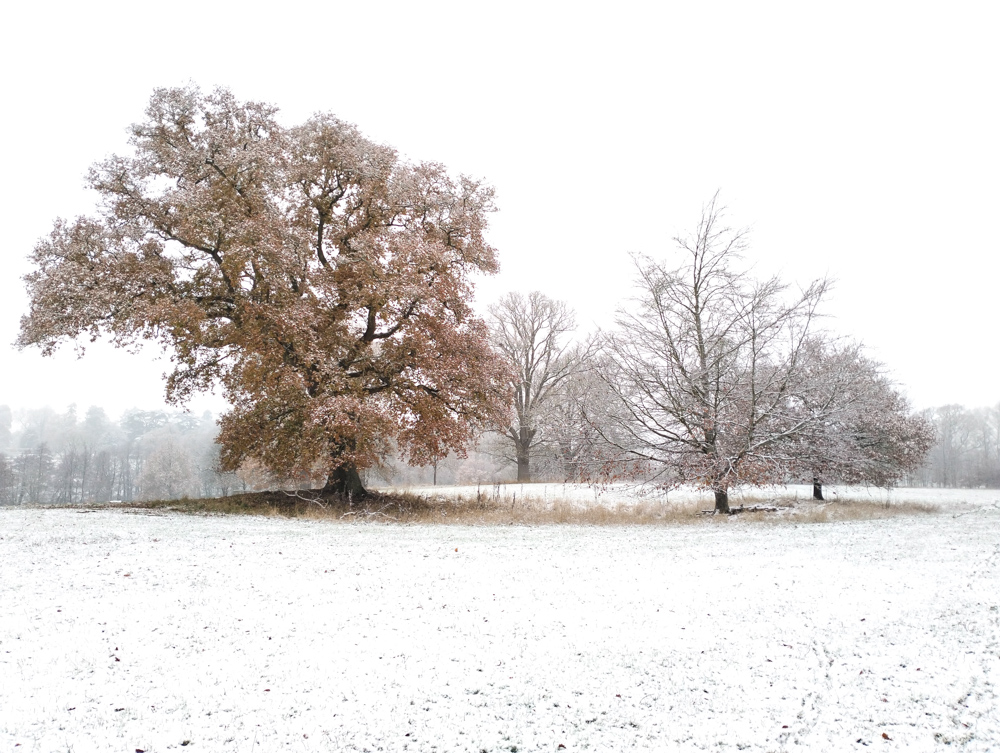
<point>702,369</point>
<point>575,423</point>
<point>533,334</point>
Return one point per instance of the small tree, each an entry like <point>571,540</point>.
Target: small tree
<point>864,431</point>
<point>324,282</point>
<point>575,425</point>
<point>533,335</point>
<point>168,471</point>
<point>702,370</point>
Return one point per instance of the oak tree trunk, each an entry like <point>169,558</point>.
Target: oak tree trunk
<point>817,488</point>
<point>721,501</point>
<point>523,453</point>
<point>345,481</point>
<point>523,468</point>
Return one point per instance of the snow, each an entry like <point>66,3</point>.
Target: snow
<point>128,631</point>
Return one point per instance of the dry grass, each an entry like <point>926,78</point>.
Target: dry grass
<point>485,510</point>
<point>413,508</point>
<point>799,511</point>
<point>860,509</point>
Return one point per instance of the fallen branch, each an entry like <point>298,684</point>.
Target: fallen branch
<point>994,506</point>
<point>298,495</point>
<point>752,508</point>
<point>741,508</point>
<point>369,513</point>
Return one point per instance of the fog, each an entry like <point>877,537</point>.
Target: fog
<point>855,142</point>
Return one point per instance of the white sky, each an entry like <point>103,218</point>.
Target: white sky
<point>856,139</point>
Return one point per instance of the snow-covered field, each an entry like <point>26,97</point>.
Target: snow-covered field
<point>125,631</point>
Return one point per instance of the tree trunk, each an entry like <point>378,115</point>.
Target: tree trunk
<point>523,468</point>
<point>522,447</point>
<point>345,481</point>
<point>817,488</point>
<point>721,501</point>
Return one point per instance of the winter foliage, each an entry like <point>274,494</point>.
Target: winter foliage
<point>321,280</point>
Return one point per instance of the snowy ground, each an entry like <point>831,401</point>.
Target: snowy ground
<point>122,632</point>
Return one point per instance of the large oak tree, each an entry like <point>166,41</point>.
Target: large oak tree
<point>320,279</point>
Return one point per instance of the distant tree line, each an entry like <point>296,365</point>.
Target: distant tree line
<point>967,451</point>
<point>48,457</point>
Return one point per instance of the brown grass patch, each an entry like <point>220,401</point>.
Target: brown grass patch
<point>859,509</point>
<point>407,508</point>
<point>412,508</point>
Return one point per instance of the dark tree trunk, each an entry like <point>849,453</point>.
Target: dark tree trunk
<point>345,481</point>
<point>523,468</point>
<point>523,452</point>
<point>722,501</point>
<point>817,488</point>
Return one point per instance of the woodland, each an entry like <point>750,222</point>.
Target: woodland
<point>325,284</point>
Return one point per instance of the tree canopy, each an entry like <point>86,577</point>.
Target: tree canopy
<point>866,432</point>
<point>324,282</point>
